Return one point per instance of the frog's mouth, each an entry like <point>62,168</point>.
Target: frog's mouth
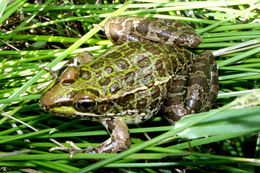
<point>71,112</point>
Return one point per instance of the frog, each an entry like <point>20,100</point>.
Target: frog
<point>148,69</point>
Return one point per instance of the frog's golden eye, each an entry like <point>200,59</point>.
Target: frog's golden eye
<point>84,105</point>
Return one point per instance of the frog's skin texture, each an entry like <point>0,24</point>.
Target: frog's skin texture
<point>147,71</point>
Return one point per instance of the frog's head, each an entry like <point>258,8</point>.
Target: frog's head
<point>68,97</point>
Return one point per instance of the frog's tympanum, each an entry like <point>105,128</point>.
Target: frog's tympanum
<point>146,71</point>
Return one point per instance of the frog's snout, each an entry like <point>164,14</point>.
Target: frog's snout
<point>52,99</point>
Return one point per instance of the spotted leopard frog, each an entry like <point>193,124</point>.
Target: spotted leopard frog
<point>147,71</point>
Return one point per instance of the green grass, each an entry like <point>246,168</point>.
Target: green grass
<point>34,36</point>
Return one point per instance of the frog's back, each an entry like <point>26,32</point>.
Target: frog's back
<point>131,80</point>
<point>132,66</point>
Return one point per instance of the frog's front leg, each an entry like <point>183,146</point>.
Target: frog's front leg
<point>119,140</point>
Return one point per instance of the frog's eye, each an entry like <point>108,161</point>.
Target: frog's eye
<point>84,105</point>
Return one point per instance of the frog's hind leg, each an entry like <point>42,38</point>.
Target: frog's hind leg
<point>174,107</point>
<point>202,86</point>
<point>193,89</point>
<point>123,29</point>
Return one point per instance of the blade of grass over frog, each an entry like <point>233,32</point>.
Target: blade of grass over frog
<point>230,18</point>
<point>64,54</point>
<point>238,57</point>
<point>179,126</point>
<point>25,135</point>
<point>10,9</point>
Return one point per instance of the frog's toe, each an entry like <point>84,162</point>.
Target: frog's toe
<point>72,149</point>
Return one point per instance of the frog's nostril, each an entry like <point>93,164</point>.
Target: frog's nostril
<point>67,82</point>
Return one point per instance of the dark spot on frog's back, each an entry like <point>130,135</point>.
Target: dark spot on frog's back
<point>148,80</point>
<point>114,55</point>
<point>125,101</point>
<point>134,45</point>
<point>129,78</point>
<point>97,65</point>
<point>159,68</point>
<point>104,82</point>
<point>114,87</point>
<point>122,64</point>
<point>144,62</point>
<point>86,75</point>
<point>153,48</point>
<point>155,92</point>
<point>158,64</point>
<point>154,104</point>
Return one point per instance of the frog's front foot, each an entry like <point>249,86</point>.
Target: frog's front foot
<point>120,137</point>
<point>72,149</point>
<point>119,140</point>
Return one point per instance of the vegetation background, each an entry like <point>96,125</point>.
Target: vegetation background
<point>37,34</point>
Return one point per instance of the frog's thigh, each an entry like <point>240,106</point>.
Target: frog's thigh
<point>213,81</point>
<point>119,140</point>
<point>202,83</point>
<point>174,107</point>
